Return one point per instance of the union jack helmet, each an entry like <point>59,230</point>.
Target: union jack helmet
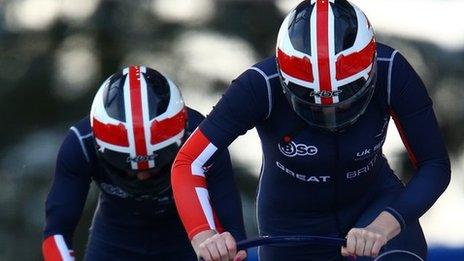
<point>138,119</point>
<point>326,59</point>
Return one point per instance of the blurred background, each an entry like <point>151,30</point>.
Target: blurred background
<point>54,54</point>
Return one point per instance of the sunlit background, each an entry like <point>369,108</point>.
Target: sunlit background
<point>55,53</point>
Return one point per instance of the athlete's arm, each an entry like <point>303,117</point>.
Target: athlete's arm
<point>243,105</point>
<point>411,109</point>
<point>225,198</point>
<point>65,200</point>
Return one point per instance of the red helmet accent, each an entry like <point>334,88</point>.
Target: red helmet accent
<point>165,129</point>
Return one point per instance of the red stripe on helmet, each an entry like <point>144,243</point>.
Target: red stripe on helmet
<point>300,68</point>
<point>167,128</point>
<point>355,62</point>
<point>109,133</point>
<point>322,18</point>
<point>137,115</point>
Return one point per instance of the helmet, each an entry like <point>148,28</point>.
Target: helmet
<point>138,119</point>
<point>326,59</point>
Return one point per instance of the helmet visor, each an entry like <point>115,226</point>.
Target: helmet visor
<point>333,117</point>
<point>158,181</point>
<point>126,178</point>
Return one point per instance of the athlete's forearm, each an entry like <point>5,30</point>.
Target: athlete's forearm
<point>225,197</point>
<point>54,248</point>
<point>66,199</point>
<point>386,224</point>
<point>421,192</point>
<point>189,185</point>
<point>427,153</point>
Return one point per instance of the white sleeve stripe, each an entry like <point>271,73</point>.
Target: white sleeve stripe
<point>197,164</point>
<point>64,251</point>
<point>203,196</point>
<point>79,137</point>
<point>390,68</point>
<point>263,164</point>
<point>87,136</point>
<point>383,59</point>
<point>268,85</point>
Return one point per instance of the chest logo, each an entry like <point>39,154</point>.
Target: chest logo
<point>363,153</point>
<point>292,149</point>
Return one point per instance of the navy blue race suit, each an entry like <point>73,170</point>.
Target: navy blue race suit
<point>325,183</point>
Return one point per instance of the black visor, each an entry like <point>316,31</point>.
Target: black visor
<point>333,117</point>
<point>158,182</point>
<point>126,178</point>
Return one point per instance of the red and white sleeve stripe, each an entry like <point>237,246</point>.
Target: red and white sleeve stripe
<point>189,185</point>
<point>54,249</point>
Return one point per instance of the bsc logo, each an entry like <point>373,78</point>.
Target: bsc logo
<point>292,149</point>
